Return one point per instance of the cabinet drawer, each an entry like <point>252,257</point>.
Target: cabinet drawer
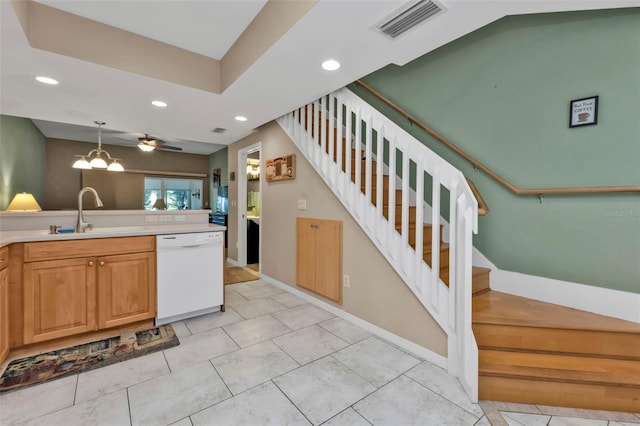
<point>52,250</point>
<point>4,257</point>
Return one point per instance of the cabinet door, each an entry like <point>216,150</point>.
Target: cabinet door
<point>126,289</point>
<point>59,298</point>
<point>319,256</point>
<point>305,253</point>
<point>4,314</point>
<point>329,259</point>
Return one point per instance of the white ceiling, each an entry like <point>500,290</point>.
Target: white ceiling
<point>288,75</point>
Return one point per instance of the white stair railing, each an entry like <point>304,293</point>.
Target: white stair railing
<point>325,131</point>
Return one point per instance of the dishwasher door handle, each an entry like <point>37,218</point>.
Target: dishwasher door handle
<point>195,245</point>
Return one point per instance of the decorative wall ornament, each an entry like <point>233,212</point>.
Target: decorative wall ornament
<point>583,112</point>
<point>281,168</point>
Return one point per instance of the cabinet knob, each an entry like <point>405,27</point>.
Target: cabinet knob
<point>91,263</point>
<point>102,263</point>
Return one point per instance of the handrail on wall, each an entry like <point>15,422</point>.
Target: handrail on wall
<point>478,165</point>
<point>483,208</point>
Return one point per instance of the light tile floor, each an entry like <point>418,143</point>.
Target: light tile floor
<point>274,359</point>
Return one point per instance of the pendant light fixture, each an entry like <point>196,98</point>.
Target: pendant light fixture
<point>97,162</point>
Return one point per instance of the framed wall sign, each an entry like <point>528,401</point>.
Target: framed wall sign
<point>217,175</point>
<point>583,112</point>
<point>281,168</point>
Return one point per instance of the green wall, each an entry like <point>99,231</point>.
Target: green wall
<point>502,94</point>
<point>218,160</point>
<point>22,159</point>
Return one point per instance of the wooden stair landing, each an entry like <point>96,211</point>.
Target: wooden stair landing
<point>540,353</point>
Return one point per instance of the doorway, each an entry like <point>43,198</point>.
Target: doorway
<point>249,206</point>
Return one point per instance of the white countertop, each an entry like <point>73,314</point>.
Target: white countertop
<point>23,236</point>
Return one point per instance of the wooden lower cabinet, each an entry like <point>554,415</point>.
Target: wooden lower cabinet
<point>59,298</point>
<point>319,256</point>
<point>126,289</point>
<point>4,314</point>
<point>71,296</point>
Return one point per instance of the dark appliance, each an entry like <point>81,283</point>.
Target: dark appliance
<point>220,219</point>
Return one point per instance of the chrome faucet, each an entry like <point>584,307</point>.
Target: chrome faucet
<point>81,225</point>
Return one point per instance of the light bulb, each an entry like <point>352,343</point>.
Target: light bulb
<point>331,65</point>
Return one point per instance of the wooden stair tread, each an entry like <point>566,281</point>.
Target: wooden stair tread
<point>477,270</point>
<point>505,309</point>
<point>556,367</point>
<point>477,274</point>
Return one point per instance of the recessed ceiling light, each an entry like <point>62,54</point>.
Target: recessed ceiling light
<point>159,104</point>
<point>46,80</point>
<point>331,65</point>
<point>241,118</point>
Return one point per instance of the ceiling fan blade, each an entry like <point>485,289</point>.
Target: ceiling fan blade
<point>168,148</point>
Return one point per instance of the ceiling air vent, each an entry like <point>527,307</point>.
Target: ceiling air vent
<point>409,18</point>
<point>218,130</point>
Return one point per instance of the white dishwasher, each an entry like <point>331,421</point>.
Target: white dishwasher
<point>190,275</point>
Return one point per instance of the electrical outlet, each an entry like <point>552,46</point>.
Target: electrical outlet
<point>165,218</point>
<point>302,204</point>
<point>347,281</point>
<point>150,218</point>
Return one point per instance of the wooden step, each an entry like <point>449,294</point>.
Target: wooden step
<point>564,394</point>
<point>554,367</point>
<point>398,215</point>
<point>539,353</point>
<point>479,279</point>
<point>374,184</point>
<point>385,196</point>
<point>505,321</point>
<point>444,254</point>
<point>426,233</point>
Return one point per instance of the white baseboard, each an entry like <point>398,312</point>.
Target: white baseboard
<point>401,342</point>
<point>603,301</point>
<point>598,300</point>
<point>232,261</point>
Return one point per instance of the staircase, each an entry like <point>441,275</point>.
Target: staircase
<point>539,353</point>
<point>526,351</point>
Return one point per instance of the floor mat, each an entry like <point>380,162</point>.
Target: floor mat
<point>238,274</point>
<point>76,359</point>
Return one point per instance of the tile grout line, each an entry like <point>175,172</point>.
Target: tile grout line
<point>292,403</point>
<point>222,379</point>
<point>129,406</point>
<point>438,394</point>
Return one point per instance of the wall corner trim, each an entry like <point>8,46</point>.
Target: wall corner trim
<point>401,342</point>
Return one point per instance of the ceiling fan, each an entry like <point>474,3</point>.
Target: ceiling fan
<point>148,143</point>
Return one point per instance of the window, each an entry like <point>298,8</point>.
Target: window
<point>178,194</point>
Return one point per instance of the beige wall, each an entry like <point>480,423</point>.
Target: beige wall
<point>377,293</point>
<point>62,182</point>
<point>64,33</point>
